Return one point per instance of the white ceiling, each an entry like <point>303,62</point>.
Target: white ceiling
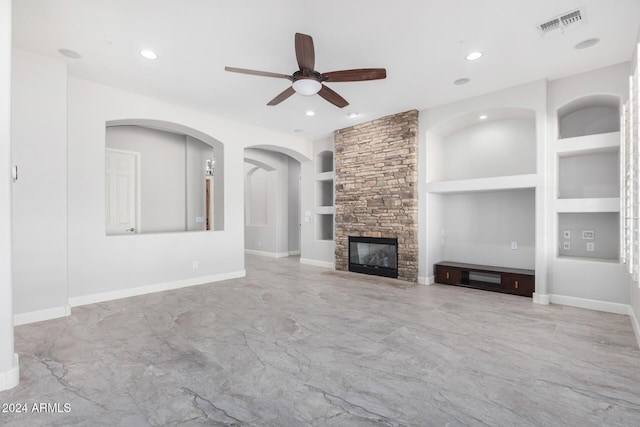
<point>421,43</point>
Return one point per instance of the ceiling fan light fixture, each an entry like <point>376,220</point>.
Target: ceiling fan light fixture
<point>307,87</point>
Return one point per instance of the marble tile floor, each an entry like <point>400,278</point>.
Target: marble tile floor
<point>296,345</point>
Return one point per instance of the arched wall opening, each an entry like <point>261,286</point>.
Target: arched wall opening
<point>179,177</point>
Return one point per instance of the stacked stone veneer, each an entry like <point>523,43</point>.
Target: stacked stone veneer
<point>376,179</point>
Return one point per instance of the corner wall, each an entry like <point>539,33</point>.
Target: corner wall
<point>9,376</point>
<point>376,184</point>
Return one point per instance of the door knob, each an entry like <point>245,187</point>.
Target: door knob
<point>130,229</point>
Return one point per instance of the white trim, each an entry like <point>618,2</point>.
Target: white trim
<point>294,253</point>
<point>41,315</point>
<point>636,325</point>
<point>158,287</point>
<point>11,378</point>
<point>591,304</point>
<point>540,298</point>
<point>317,263</point>
<point>267,254</point>
<point>426,280</point>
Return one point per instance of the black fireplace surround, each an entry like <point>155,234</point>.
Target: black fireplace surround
<point>373,255</point>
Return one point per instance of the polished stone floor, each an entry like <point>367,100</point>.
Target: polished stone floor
<point>295,345</point>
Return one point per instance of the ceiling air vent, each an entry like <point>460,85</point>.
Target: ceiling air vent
<point>561,22</point>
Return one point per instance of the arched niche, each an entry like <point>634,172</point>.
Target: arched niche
<point>589,115</point>
<point>482,144</point>
<point>203,198</point>
<point>324,161</point>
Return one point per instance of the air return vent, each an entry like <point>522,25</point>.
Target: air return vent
<point>561,22</point>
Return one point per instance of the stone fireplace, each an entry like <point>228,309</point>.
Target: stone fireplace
<point>376,184</point>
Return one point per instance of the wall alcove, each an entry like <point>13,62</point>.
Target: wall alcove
<point>481,179</point>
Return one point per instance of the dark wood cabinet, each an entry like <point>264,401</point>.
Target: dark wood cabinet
<point>500,279</point>
<point>448,275</point>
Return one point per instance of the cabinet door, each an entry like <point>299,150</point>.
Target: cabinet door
<point>448,275</point>
<point>518,284</point>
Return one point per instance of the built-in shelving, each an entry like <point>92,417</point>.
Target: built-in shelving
<point>587,202</point>
<point>496,183</point>
<point>324,195</point>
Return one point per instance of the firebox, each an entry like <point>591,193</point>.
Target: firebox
<point>373,255</point>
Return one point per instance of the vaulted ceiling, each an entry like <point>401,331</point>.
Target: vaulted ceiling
<point>421,43</point>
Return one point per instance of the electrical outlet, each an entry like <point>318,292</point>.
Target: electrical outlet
<point>591,246</point>
<point>514,245</point>
<point>195,264</point>
<point>566,246</point>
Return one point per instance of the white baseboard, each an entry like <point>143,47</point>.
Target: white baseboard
<point>11,378</point>
<point>609,307</point>
<point>317,263</point>
<point>636,325</point>
<point>267,254</point>
<point>426,280</point>
<point>541,298</point>
<point>294,253</point>
<point>158,287</point>
<point>41,315</point>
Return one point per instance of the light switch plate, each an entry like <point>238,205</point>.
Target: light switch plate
<point>566,234</point>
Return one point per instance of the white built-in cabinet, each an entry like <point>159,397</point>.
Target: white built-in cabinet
<point>324,195</point>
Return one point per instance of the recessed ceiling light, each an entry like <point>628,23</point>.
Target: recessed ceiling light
<point>587,43</point>
<point>483,117</point>
<point>473,56</point>
<point>462,81</point>
<point>149,54</point>
<point>352,115</point>
<point>69,53</point>
<point>310,113</point>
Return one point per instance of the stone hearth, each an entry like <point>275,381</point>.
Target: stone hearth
<point>376,183</point>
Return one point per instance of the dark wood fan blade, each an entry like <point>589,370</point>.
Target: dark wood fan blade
<point>257,73</point>
<point>282,96</point>
<point>305,53</point>
<point>331,96</point>
<point>356,75</point>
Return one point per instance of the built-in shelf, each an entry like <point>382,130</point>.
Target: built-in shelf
<point>325,176</point>
<point>325,210</point>
<point>324,197</point>
<point>588,144</point>
<point>324,162</point>
<point>324,229</point>
<point>496,183</point>
<point>607,204</point>
<point>589,235</point>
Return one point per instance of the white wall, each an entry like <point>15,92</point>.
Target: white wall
<point>7,380</point>
<point>312,249</point>
<point>293,183</point>
<point>162,175</point>
<point>113,265</point>
<point>39,134</point>
<point>479,228</point>
<point>492,148</point>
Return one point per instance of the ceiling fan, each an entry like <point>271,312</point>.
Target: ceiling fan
<point>307,81</point>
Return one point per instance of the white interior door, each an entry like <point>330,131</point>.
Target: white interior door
<point>121,192</point>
